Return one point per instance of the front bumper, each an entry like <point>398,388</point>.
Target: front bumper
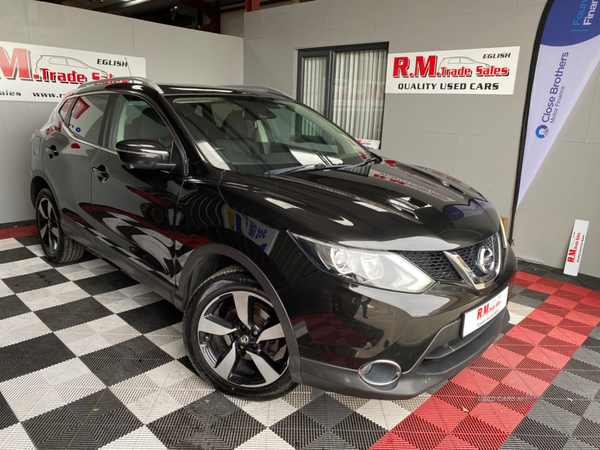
<point>339,327</point>
<point>426,374</point>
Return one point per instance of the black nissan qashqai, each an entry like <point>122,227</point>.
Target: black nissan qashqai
<point>296,255</point>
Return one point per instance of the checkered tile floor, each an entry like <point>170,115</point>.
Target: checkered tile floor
<point>91,359</point>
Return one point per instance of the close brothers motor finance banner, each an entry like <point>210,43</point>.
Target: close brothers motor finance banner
<point>490,71</point>
<point>568,55</point>
<point>35,73</point>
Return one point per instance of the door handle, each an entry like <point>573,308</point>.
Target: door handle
<point>52,151</point>
<point>101,172</point>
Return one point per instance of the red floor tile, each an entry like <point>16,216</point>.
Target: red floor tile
<point>514,373</point>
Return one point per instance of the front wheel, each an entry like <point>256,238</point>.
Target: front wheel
<point>234,338</point>
<point>58,247</point>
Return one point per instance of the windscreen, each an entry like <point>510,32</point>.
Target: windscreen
<point>256,135</point>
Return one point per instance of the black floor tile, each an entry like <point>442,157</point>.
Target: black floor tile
<point>29,240</point>
<point>327,411</point>
<point>359,431</point>
<point>34,354</point>
<point>125,360</point>
<point>7,417</point>
<point>588,432</point>
<point>237,428</point>
<point>16,254</point>
<point>211,408</point>
<point>152,317</point>
<point>539,435</point>
<point>12,306</point>
<point>298,430</point>
<point>117,371</point>
<point>36,280</point>
<point>73,314</point>
<point>539,296</point>
<point>108,282</point>
<point>90,423</point>
<point>176,427</point>
<point>526,301</point>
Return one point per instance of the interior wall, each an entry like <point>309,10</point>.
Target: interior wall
<point>173,55</point>
<point>472,137</point>
<point>566,187</point>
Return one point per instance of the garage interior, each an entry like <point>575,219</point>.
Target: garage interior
<point>90,358</point>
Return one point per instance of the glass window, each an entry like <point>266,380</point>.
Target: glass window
<point>64,109</point>
<point>260,134</point>
<point>134,118</point>
<point>86,117</point>
<point>347,85</point>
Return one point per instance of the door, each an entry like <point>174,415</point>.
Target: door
<point>68,159</point>
<point>134,208</point>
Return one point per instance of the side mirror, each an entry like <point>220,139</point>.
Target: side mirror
<point>144,154</point>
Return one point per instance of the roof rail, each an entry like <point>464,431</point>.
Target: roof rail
<point>267,89</point>
<point>140,80</point>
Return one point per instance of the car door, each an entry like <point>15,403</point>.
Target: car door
<point>69,149</point>
<point>134,208</point>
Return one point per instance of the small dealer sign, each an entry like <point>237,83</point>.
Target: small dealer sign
<point>575,250</point>
<point>489,71</point>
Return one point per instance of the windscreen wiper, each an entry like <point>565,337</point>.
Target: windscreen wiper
<point>321,166</point>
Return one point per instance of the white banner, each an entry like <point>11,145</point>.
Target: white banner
<point>489,71</point>
<point>35,73</point>
<point>575,250</point>
<point>568,55</point>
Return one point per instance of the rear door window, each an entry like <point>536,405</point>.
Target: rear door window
<point>86,117</point>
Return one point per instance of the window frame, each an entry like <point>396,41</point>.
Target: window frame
<point>330,53</point>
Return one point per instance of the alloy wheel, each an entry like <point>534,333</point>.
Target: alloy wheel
<point>48,225</point>
<point>242,340</point>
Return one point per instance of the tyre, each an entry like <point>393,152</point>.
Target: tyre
<point>58,247</point>
<point>234,338</point>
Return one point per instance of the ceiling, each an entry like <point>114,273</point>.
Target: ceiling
<point>200,14</point>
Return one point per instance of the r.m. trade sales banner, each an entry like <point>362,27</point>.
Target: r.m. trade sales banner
<point>36,73</point>
<point>475,71</point>
<point>568,55</point>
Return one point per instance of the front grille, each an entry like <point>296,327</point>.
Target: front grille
<point>434,264</point>
<point>437,266</point>
<point>469,254</point>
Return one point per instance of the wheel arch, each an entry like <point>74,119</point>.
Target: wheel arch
<point>206,260</point>
<point>39,182</point>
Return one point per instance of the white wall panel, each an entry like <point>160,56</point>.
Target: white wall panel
<point>173,55</point>
<point>475,138</point>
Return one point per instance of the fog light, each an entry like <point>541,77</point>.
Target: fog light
<point>380,373</point>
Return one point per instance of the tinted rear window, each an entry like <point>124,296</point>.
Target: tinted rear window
<point>86,117</point>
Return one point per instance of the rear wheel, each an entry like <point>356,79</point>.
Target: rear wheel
<point>56,245</point>
<point>234,338</point>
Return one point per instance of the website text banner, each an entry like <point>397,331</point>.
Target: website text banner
<point>477,71</point>
<point>35,73</point>
<point>568,55</point>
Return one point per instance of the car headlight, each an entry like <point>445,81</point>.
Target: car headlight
<point>384,270</point>
<point>503,233</point>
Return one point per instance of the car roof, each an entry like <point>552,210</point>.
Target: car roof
<point>179,89</point>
